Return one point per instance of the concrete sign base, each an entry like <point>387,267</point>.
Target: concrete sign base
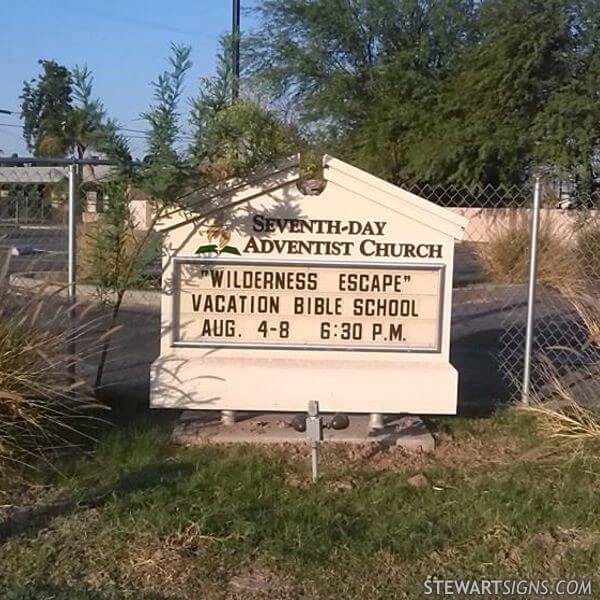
<point>197,428</point>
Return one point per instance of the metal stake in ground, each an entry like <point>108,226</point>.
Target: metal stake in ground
<point>314,435</point>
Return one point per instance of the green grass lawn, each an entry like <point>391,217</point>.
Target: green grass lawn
<point>139,518</point>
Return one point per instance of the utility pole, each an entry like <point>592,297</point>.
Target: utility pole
<point>235,41</point>
<point>229,417</point>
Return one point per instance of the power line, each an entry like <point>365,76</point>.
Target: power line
<point>235,33</point>
<point>4,111</point>
<point>182,137</point>
<point>145,23</point>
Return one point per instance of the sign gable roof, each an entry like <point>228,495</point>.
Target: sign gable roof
<point>393,197</point>
<point>287,173</point>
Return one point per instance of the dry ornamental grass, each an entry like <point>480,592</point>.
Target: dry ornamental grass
<point>561,411</point>
<point>588,248</point>
<point>505,258</point>
<point>42,402</point>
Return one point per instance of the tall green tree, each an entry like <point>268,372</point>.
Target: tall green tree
<point>428,44</point>
<point>46,104</point>
<point>454,91</point>
<point>331,57</point>
<point>229,139</point>
<point>356,70</point>
<point>163,176</point>
<point>480,127</point>
<point>568,128</point>
<point>60,115</point>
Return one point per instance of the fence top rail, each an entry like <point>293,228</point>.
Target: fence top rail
<point>15,161</point>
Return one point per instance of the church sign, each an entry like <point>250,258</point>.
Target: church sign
<point>342,297</point>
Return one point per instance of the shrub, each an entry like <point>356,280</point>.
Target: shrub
<point>114,255</point>
<point>42,403</point>
<point>505,258</point>
<point>106,268</point>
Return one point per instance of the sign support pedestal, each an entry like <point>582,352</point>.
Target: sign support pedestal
<point>375,421</point>
<point>228,417</point>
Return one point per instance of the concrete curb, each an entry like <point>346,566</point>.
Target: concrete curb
<point>44,282</point>
<point>484,292</point>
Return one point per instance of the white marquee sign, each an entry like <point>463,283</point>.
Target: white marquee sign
<point>342,297</point>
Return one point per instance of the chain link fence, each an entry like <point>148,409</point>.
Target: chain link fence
<point>33,217</point>
<point>34,232</point>
<point>490,287</point>
<point>565,359</point>
<point>490,274</point>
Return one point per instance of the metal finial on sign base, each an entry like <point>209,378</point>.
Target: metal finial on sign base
<point>298,423</point>
<point>339,421</point>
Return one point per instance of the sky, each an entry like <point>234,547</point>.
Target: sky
<point>124,43</point>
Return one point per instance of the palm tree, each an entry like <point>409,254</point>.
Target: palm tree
<point>79,126</point>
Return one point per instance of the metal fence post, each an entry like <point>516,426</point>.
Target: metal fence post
<point>72,264</point>
<point>72,251</point>
<point>533,243</point>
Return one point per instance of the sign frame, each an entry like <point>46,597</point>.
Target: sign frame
<point>175,321</point>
